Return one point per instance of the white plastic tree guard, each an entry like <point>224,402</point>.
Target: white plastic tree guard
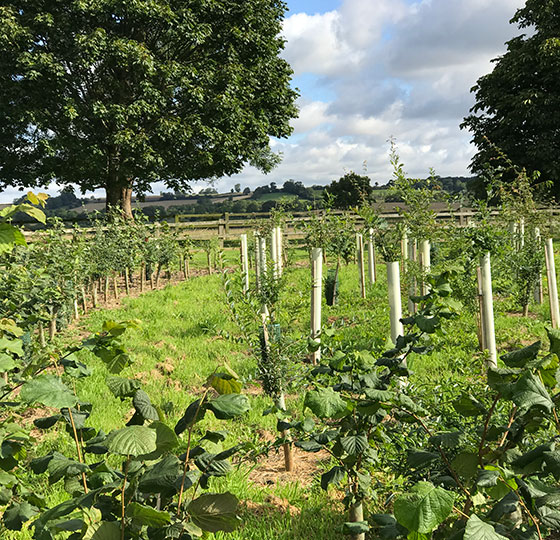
<point>371,258</point>
<point>552,286</point>
<point>488,310</point>
<point>245,262</point>
<point>316,293</point>
<point>395,305</point>
<point>361,269</point>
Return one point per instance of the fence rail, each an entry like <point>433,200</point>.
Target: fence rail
<point>228,226</point>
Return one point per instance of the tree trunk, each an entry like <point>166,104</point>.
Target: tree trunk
<point>119,197</point>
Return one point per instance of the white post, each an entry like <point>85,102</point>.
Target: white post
<point>513,233</point>
<point>257,262</point>
<point>262,254</point>
<point>361,270</point>
<point>245,262</point>
<point>537,293</point>
<point>279,249</point>
<point>412,288</point>
<point>552,286</point>
<point>425,259</point>
<point>404,248</point>
<point>316,287</point>
<point>395,306</point>
<point>521,233</point>
<point>488,310</point>
<point>274,252</point>
<point>371,258</point>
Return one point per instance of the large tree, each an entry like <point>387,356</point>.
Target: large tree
<point>349,190</point>
<point>117,94</point>
<point>517,108</point>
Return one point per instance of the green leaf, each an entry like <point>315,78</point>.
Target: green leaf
<point>354,444</point>
<point>10,236</point>
<point>166,440</point>
<point>103,530</point>
<point>224,383</point>
<point>121,387</point>
<point>446,439</point>
<point>161,477</point>
<point>215,512</point>
<point>355,527</point>
<point>14,346</point>
<point>424,508</point>
<point>427,324</point>
<point>487,478</point>
<point>48,390</point>
<point>466,464</point>
<point>229,406</point>
<point>519,358</point>
<point>420,458</point>
<point>529,392</point>
<point>146,515</point>
<point>7,363</point>
<point>33,212</point>
<point>143,405</point>
<point>468,405</point>
<point>334,476</point>
<point>325,403</point>
<point>194,413</point>
<point>132,440</point>
<point>552,460</point>
<point>554,337</point>
<point>479,530</point>
<point>18,514</point>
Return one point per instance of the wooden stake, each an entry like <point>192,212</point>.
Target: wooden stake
<point>127,281</point>
<point>42,341</point>
<point>84,299</point>
<point>115,287</point>
<point>142,276</point>
<point>106,289</point>
<point>316,294</point>
<point>488,310</point>
<point>94,293</point>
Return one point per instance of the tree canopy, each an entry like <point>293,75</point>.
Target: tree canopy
<point>517,109</point>
<point>117,95</point>
<point>350,190</point>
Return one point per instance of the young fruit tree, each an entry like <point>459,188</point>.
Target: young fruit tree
<point>113,95</point>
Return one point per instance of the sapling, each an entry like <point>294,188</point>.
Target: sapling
<point>355,396</point>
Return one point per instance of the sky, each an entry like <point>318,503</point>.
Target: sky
<point>371,70</point>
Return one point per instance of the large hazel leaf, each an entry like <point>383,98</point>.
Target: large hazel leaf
<point>121,387</point>
<point>224,383</point>
<point>229,406</point>
<point>215,512</point>
<point>146,515</point>
<point>143,405</point>
<point>48,390</point>
<point>554,337</point>
<point>10,236</point>
<point>325,403</point>
<point>529,392</point>
<point>132,440</point>
<point>424,508</point>
<point>519,358</point>
<point>479,530</point>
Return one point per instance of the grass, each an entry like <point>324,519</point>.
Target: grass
<point>181,340</point>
